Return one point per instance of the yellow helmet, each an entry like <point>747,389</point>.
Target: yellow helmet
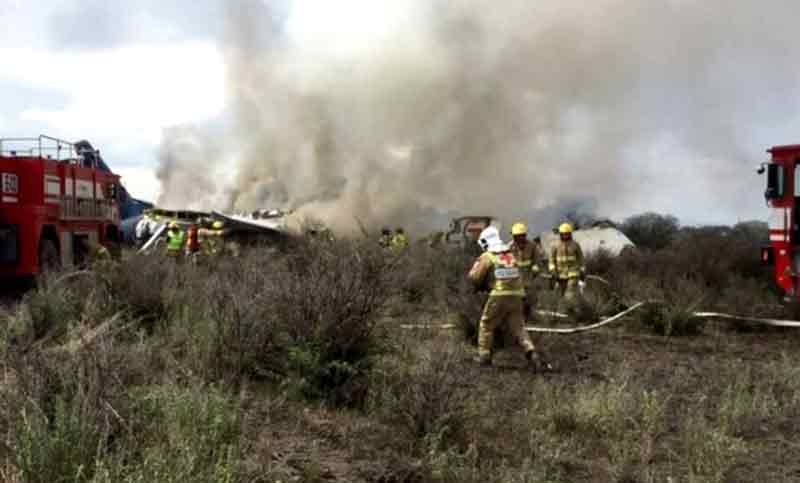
<point>217,225</point>
<point>565,228</point>
<point>519,229</point>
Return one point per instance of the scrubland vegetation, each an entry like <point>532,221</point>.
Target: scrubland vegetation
<point>290,365</point>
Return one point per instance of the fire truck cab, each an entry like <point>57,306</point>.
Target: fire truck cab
<point>783,199</point>
<point>57,199</point>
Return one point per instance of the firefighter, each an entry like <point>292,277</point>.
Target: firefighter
<point>528,260</point>
<point>175,241</point>
<point>386,237</point>
<point>566,264</point>
<point>90,254</point>
<point>497,270</point>
<point>192,243</point>
<point>213,242</point>
<point>399,240</point>
<point>100,252</point>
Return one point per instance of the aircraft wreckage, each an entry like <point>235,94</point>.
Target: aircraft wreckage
<point>263,226</point>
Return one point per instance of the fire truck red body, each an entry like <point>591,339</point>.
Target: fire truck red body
<point>55,203</point>
<point>783,199</point>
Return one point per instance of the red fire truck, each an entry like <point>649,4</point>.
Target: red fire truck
<point>57,199</point>
<point>783,199</point>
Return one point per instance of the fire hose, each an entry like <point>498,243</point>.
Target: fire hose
<point>621,315</point>
<point>617,317</point>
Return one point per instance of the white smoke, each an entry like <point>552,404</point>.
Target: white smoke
<point>399,111</point>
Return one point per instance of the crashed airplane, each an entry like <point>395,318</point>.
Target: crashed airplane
<point>263,226</point>
<point>601,236</point>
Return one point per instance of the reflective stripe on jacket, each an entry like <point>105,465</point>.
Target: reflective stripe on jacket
<point>528,259</point>
<point>566,260</point>
<point>504,276</point>
<point>175,240</point>
<point>399,241</point>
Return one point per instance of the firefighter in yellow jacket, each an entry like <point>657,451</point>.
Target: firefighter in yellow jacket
<point>528,260</point>
<point>175,241</point>
<point>497,270</point>
<point>399,240</point>
<point>212,241</point>
<point>566,263</point>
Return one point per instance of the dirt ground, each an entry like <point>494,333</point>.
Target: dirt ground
<point>689,374</point>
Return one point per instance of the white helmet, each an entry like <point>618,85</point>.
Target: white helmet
<point>490,240</point>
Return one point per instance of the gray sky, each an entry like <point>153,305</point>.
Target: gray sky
<point>119,73</point>
<point>115,73</point>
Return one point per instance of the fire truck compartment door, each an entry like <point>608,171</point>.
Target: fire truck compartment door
<point>8,244</point>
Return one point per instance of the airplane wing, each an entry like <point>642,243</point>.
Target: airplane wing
<point>243,223</point>
<point>161,228</point>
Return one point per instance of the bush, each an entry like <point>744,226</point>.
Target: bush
<point>651,231</point>
<point>671,318</point>
<point>329,299</point>
<point>48,311</point>
<point>308,318</point>
<point>184,435</point>
<point>59,410</point>
<point>142,285</point>
<point>63,444</point>
<point>429,397</point>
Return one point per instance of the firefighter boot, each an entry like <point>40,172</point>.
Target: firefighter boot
<point>537,362</point>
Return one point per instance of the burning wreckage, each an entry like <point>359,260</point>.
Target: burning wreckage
<point>234,231</point>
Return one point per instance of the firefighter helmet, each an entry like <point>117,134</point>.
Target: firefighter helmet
<point>565,228</point>
<point>519,229</point>
<point>490,240</point>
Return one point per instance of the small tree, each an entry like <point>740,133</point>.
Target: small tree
<point>651,230</point>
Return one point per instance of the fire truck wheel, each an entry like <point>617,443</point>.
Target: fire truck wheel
<point>48,256</point>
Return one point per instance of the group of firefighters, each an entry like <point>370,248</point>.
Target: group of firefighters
<point>507,271</point>
<point>194,241</point>
<point>394,241</point>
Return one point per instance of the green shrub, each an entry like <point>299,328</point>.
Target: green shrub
<point>143,284</point>
<point>190,434</point>
<point>309,318</point>
<point>47,311</point>
<point>429,398</point>
<point>60,447</point>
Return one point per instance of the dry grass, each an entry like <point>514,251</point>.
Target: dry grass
<point>287,366</point>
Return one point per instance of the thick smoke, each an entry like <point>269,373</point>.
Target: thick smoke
<point>403,112</point>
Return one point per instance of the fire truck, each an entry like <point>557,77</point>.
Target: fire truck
<point>57,199</point>
<point>783,199</point>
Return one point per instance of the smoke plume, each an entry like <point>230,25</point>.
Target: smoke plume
<point>402,112</point>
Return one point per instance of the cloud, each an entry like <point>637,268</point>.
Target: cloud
<point>140,181</point>
<point>132,91</point>
<point>92,24</point>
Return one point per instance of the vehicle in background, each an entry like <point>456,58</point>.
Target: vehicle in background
<point>783,199</point>
<point>57,199</point>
